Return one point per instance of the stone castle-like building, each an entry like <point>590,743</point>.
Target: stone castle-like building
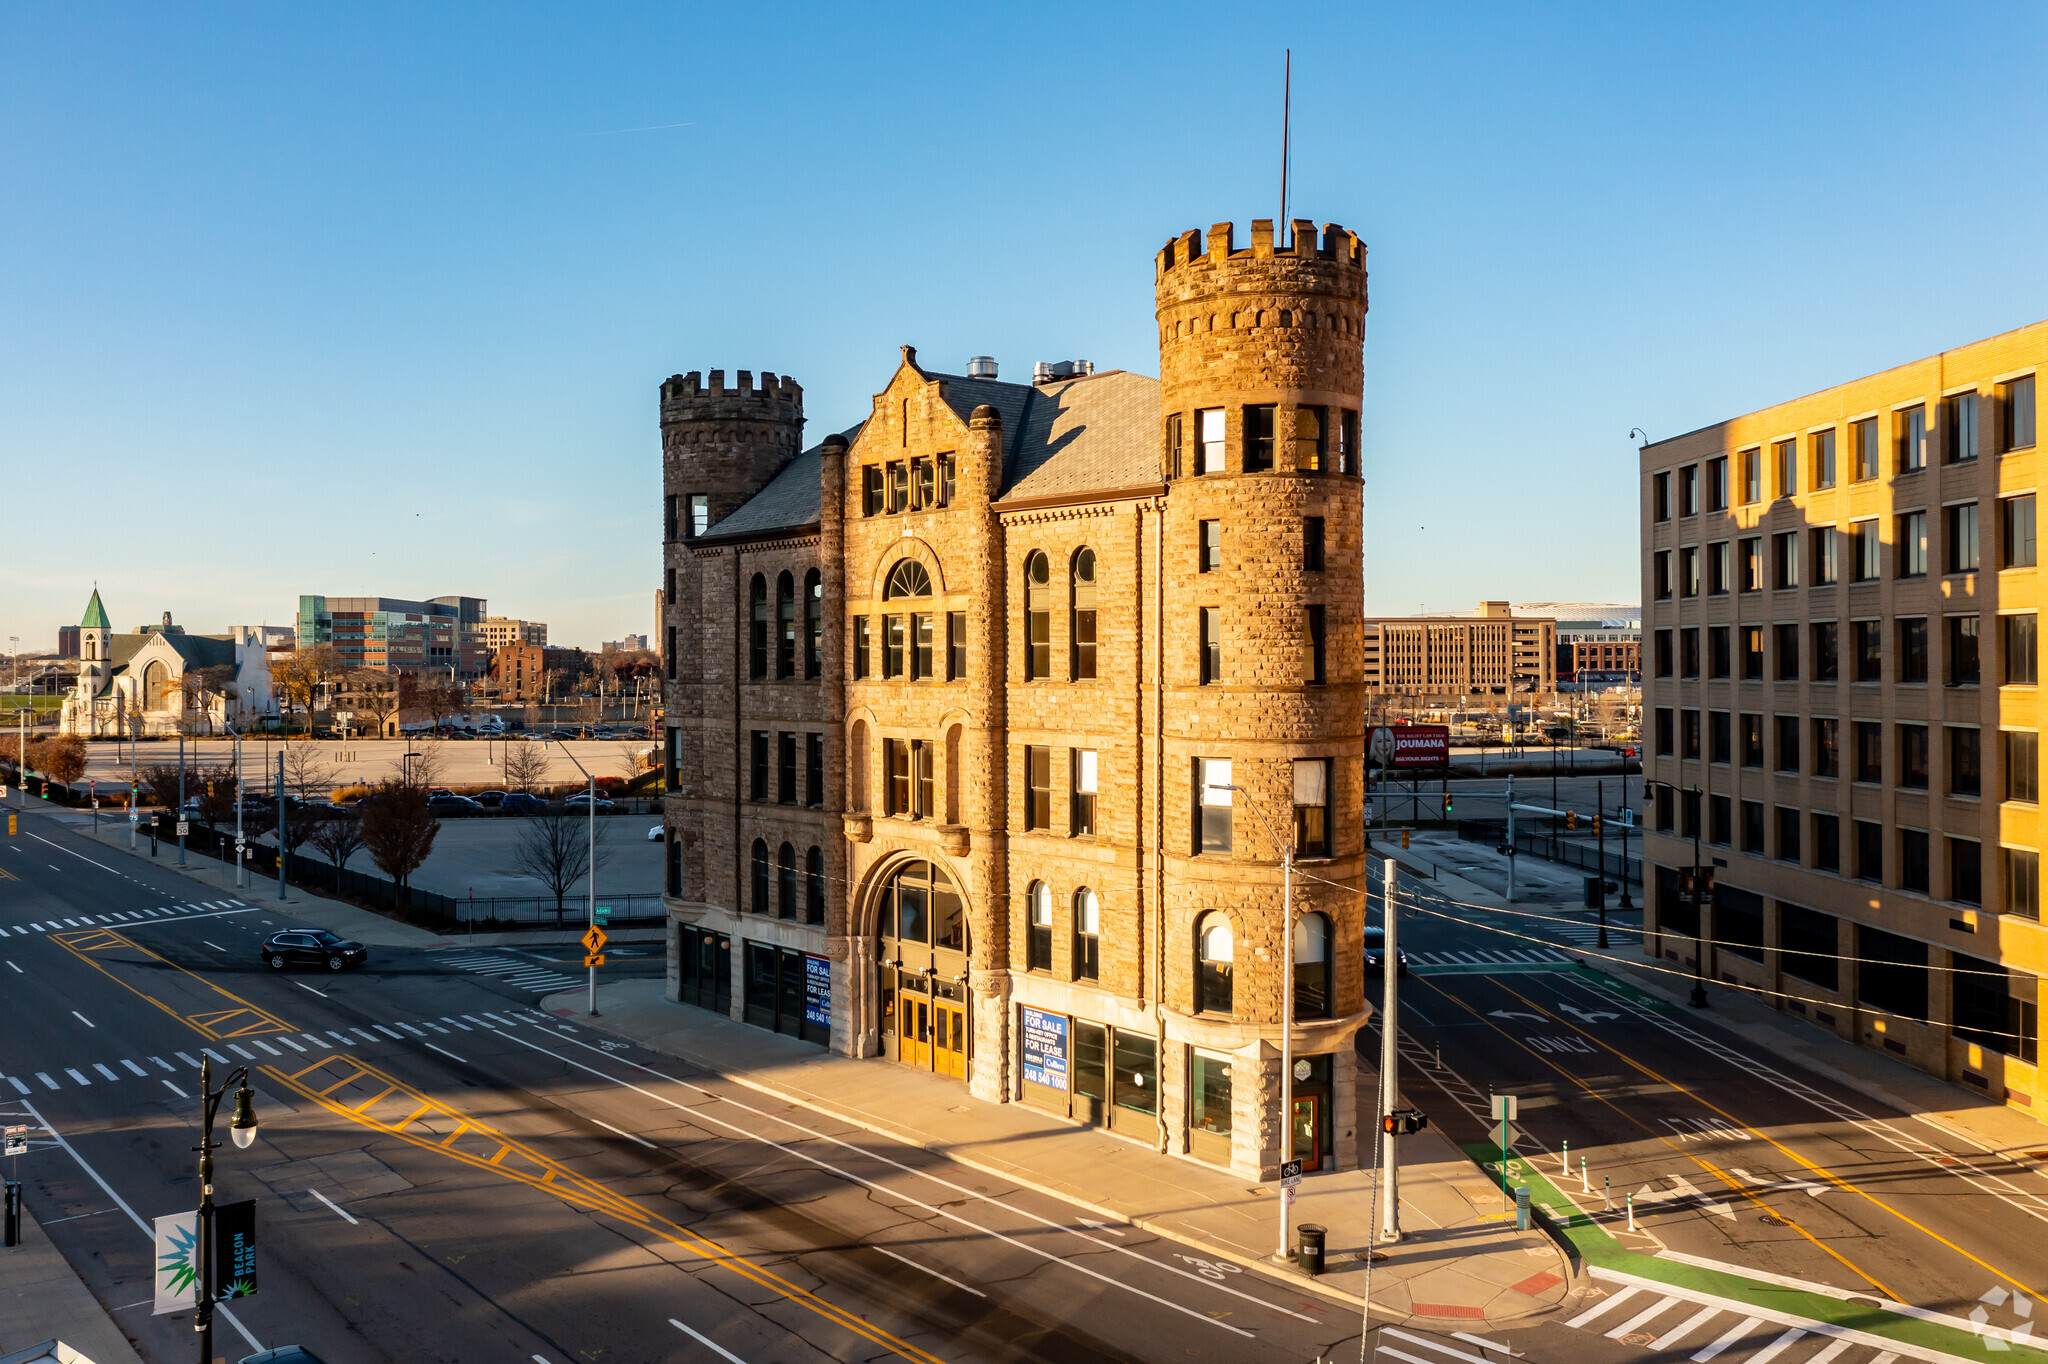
<point>985,714</point>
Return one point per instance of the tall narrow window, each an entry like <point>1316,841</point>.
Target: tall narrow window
<point>899,486</point>
<point>757,635</point>
<point>760,877</point>
<point>1717,483</point>
<point>921,806</point>
<point>1785,559</point>
<point>1212,645</point>
<point>857,768</point>
<point>1864,547</point>
<point>1209,552</point>
<point>1660,496</point>
<point>1037,787</point>
<point>1752,579</point>
<point>892,646</point>
<point>814,886</point>
<point>1965,761</point>
<point>1912,425</point>
<point>1173,447</point>
<point>1752,476</point>
<point>1347,444</point>
<point>2016,414</point>
<point>1965,661</point>
<point>1258,437</point>
<point>1312,807</point>
<point>785,768</point>
<point>2021,665</point>
<point>921,645</point>
<point>814,770</point>
<point>1081,617</point>
<point>1313,648</point>
<point>1311,439</point>
<point>896,758</point>
<point>1037,619</point>
<point>1038,941</point>
<point>1215,958</point>
<point>1825,545</point>
<point>1312,959</point>
<point>2022,882</point>
<point>2016,527</point>
<point>1863,448</point>
<point>1087,935</point>
<point>1961,538</point>
<point>785,626</point>
<point>1821,452</point>
<point>757,785</point>
<point>1212,805</point>
<point>1913,757</point>
<point>1912,648</point>
<point>1785,454</point>
<point>785,882</point>
<point>700,514</point>
<point>2022,759</point>
<point>923,490</point>
<point>956,645</point>
<point>949,477</point>
<point>1083,776</point>
<point>870,490</point>
<point>670,520</point>
<point>1209,429</point>
<point>863,647</point>
<point>1689,490</point>
<point>814,625</point>
<point>1312,544</point>
<point>1959,427</point>
<point>1866,642</point>
<point>1912,545</point>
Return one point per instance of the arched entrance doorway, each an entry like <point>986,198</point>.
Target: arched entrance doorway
<point>921,969</point>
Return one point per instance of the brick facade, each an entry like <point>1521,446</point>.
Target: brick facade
<point>977,483</point>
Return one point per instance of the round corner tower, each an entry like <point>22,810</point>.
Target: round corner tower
<point>1261,381</point>
<point>723,444</point>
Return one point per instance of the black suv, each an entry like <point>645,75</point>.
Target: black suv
<point>312,947</point>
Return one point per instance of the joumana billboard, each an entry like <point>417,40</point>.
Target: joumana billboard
<point>1399,746</point>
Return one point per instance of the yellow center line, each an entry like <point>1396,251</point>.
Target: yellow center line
<point>1789,1154</point>
<point>1736,1185</point>
<point>569,1188</point>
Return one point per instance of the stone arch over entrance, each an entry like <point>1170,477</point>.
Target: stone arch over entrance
<point>914,917</point>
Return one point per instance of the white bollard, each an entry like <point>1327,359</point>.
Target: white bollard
<point>1567,1158</point>
<point>1631,1212</point>
<point>1585,1180</point>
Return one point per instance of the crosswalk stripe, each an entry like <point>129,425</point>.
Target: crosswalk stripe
<point>1639,1318</point>
<point>162,1064</point>
<point>1829,1352</point>
<point>48,1081</point>
<point>261,1047</point>
<point>411,1029</point>
<point>315,1040</point>
<point>286,1041</point>
<point>1888,1357</point>
<point>15,1080</point>
<point>75,1075</point>
<point>396,1036</point>
<point>188,1060</point>
<point>367,1035</point>
<point>1778,1346</point>
<point>218,1057</point>
<point>342,1038</point>
<point>1727,1338</point>
<point>137,1069</point>
<point>1613,1300</point>
<point>464,1026</point>
<point>111,1075</point>
<point>239,1052</point>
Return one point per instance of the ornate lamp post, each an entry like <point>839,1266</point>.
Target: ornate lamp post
<point>242,1127</point>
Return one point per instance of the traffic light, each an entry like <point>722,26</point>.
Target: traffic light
<point>1596,821</point>
<point>1404,838</point>
<point>209,788</point>
<point>1571,820</point>
<point>1447,805</point>
<point>1404,1122</point>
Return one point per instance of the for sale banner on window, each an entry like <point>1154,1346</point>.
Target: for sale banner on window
<point>1045,1048</point>
<point>818,992</point>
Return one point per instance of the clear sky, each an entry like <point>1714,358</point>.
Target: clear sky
<point>356,299</point>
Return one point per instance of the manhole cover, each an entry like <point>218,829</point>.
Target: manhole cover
<point>1771,1221</point>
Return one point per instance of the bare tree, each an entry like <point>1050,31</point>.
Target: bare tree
<point>398,829</point>
<point>339,835</point>
<point>296,676</point>
<point>307,773</point>
<point>375,695</point>
<point>440,702</point>
<point>160,780</point>
<point>554,849</point>
<point>526,766</point>
<point>218,792</point>
<point>419,767</point>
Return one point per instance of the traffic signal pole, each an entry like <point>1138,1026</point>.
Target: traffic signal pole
<point>1390,1097</point>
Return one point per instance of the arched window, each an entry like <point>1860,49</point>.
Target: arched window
<point>907,579</point>
<point>155,686</point>
<point>1087,935</point>
<point>1037,619</point>
<point>92,648</point>
<point>1039,948</point>
<point>1081,616</point>
<point>760,887</point>
<point>920,904</point>
<point>757,630</point>
<point>785,626</point>
<point>1215,953</point>
<point>814,624</point>
<point>1312,975</point>
<point>814,886</point>
<point>785,882</point>
<point>857,769</point>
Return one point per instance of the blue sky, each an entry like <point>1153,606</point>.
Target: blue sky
<point>377,299</point>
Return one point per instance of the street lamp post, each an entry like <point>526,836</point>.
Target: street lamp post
<point>590,1006</point>
<point>242,1127</point>
<point>1286,850</point>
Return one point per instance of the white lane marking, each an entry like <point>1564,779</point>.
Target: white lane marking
<point>707,1342</point>
<point>76,1216</point>
<point>337,1211</point>
<point>303,986</point>
<point>15,1080</point>
<point>175,1090</point>
<point>1639,1318</point>
<point>218,1057</point>
<point>933,1272</point>
<point>17,969</point>
<point>949,1215</point>
<point>74,1075</point>
<point>101,1068</point>
<point>148,1232</point>
<point>437,1027</point>
<point>1683,1329</point>
<point>1483,1343</point>
<point>449,1054</point>
<point>1597,1308</point>
<point>369,1036</point>
<point>609,1128</point>
<point>103,867</point>
<point>214,945</point>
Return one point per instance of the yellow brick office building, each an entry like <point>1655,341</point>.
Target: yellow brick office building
<point>1840,685</point>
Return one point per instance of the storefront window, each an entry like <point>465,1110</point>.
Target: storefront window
<point>1209,1105</point>
<point>1134,1079</point>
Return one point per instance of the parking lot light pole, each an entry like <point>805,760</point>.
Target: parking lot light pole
<point>590,1007</point>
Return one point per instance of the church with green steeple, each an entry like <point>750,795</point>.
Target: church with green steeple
<point>157,679</point>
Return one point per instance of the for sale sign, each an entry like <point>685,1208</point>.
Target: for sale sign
<point>1403,746</point>
<point>1045,1048</point>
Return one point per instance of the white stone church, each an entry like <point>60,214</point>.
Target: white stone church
<point>160,680</point>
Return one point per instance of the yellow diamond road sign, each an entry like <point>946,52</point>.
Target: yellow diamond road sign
<point>594,959</point>
<point>595,939</point>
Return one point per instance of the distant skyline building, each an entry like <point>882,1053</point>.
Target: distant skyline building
<point>502,630</point>
<point>630,644</point>
<point>1492,652</point>
<point>399,635</point>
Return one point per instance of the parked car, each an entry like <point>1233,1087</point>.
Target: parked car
<point>283,1354</point>
<point>520,803</point>
<point>491,800</point>
<point>448,803</point>
<point>1375,945</point>
<point>312,947</point>
<point>582,801</point>
<point>656,835</point>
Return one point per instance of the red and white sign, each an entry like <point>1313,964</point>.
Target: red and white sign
<point>1410,746</point>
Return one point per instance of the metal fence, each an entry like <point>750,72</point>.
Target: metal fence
<point>1551,845</point>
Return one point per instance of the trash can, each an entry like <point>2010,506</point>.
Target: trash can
<point>1309,1254</point>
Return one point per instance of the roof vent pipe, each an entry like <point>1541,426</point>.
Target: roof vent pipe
<point>981,367</point>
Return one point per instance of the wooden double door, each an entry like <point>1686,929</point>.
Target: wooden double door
<point>934,1035</point>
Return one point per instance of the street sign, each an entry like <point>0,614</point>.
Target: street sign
<point>14,1140</point>
<point>593,959</point>
<point>604,915</point>
<point>184,827</point>
<point>594,939</point>
<point>1290,1174</point>
<point>1504,1107</point>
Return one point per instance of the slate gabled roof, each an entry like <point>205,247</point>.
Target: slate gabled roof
<point>790,499</point>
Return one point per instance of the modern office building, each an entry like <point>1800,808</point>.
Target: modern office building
<point>1843,708</point>
<point>1491,652</point>
<point>502,630</point>
<point>395,635</point>
<point>1599,653</point>
<point>982,715</point>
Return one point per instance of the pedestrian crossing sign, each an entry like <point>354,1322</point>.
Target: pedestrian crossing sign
<point>593,959</point>
<point>594,939</point>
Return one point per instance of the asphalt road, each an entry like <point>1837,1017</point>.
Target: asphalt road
<point>1735,1157</point>
<point>444,1173</point>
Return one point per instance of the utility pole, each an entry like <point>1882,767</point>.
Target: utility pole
<point>280,826</point>
<point>1626,903</point>
<point>1600,832</point>
<point>1511,838</point>
<point>240,865</point>
<point>181,795</point>
<point>1390,1095</point>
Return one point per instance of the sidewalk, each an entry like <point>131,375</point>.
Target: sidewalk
<point>1968,1117</point>
<point>317,911</point>
<point>1461,1267</point>
<point>42,1299</point>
